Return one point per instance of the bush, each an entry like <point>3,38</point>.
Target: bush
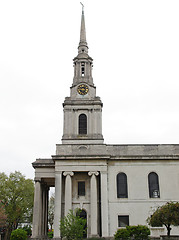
<point>28,229</point>
<point>19,234</point>
<point>132,232</point>
<point>138,232</point>
<point>73,227</point>
<point>122,233</point>
<point>50,234</point>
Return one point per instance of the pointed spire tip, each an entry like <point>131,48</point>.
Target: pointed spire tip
<point>82,7</point>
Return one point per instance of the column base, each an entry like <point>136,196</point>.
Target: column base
<point>40,238</point>
<point>94,236</point>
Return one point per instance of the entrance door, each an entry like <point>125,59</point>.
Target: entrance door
<point>82,214</point>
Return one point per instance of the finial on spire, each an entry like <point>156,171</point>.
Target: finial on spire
<point>82,7</point>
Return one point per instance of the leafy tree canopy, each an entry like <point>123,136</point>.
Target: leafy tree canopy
<point>16,198</point>
<point>167,215</point>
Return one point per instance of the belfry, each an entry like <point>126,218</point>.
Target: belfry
<point>113,185</point>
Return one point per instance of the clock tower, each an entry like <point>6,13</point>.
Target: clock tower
<point>83,109</point>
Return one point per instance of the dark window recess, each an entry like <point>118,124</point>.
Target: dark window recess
<point>81,188</point>
<point>82,69</point>
<point>123,221</point>
<point>82,214</point>
<point>82,124</point>
<point>153,185</point>
<point>122,185</point>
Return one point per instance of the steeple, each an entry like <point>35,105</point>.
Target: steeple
<point>83,109</point>
<point>83,63</point>
<point>83,46</point>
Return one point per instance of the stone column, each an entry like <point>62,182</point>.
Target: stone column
<point>37,210</point>
<point>94,203</point>
<point>58,200</point>
<point>104,205</point>
<point>43,210</point>
<point>46,210</point>
<point>68,191</point>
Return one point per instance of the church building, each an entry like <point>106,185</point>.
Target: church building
<point>113,185</point>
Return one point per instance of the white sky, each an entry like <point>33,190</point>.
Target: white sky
<point>135,47</point>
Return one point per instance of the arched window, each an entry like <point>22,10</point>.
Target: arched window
<point>82,124</point>
<point>122,185</point>
<point>153,185</point>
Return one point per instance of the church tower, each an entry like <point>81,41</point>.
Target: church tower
<point>83,109</point>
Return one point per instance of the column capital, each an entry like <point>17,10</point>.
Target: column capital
<point>68,173</point>
<point>37,179</point>
<point>93,173</point>
<point>58,172</point>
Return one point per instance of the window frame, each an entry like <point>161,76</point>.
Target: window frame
<point>122,186</point>
<point>82,69</point>
<point>153,185</point>
<point>82,124</point>
<point>83,190</point>
<point>119,222</point>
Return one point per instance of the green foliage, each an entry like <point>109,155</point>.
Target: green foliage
<point>73,226</point>
<point>167,215</point>
<point>18,234</point>
<point>28,229</point>
<point>50,234</point>
<point>16,198</point>
<point>121,234</point>
<point>132,232</point>
<point>138,232</point>
<point>51,210</point>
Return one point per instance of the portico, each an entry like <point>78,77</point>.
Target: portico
<point>67,196</point>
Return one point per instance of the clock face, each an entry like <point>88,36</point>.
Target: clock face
<point>83,89</point>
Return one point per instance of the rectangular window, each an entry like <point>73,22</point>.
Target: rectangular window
<point>123,220</point>
<point>82,69</point>
<point>81,188</point>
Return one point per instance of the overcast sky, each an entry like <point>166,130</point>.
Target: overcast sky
<point>135,47</point>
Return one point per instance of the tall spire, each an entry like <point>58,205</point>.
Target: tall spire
<point>83,46</point>
<point>83,63</point>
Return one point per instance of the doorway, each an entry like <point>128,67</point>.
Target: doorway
<point>82,214</point>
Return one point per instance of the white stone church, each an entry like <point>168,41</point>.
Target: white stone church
<point>114,185</point>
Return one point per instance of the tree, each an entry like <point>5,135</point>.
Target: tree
<point>16,199</point>
<point>73,226</point>
<point>2,221</point>
<point>2,218</point>
<point>167,215</point>
<point>51,210</point>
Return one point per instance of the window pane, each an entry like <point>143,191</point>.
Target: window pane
<point>122,185</point>
<point>123,221</point>
<point>81,188</point>
<point>153,185</point>
<point>82,124</point>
